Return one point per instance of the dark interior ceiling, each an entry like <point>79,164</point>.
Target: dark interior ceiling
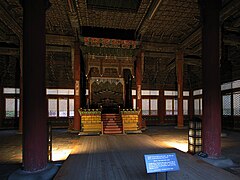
<point>162,26</point>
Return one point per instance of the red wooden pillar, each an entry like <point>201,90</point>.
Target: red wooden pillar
<point>35,141</point>
<point>139,62</point>
<point>161,107</point>
<point>20,127</point>
<point>77,105</point>
<point>179,70</point>
<point>2,104</point>
<point>191,104</point>
<point>211,78</point>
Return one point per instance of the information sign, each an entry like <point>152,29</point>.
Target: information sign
<point>161,162</point>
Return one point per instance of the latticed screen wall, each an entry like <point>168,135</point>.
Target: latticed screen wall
<point>61,107</point>
<point>10,106</point>
<point>171,106</point>
<point>236,103</point>
<point>71,107</point>
<point>149,107</point>
<point>52,107</point>
<point>154,106</point>
<point>198,106</point>
<point>185,107</point>
<point>145,106</point>
<point>226,103</point>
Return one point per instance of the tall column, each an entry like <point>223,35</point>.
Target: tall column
<point>191,104</point>
<point>139,62</point>
<point>2,103</point>
<point>34,91</point>
<point>130,91</point>
<point>20,126</point>
<point>211,78</point>
<point>77,104</point>
<point>179,70</point>
<point>126,104</point>
<point>161,107</point>
<point>83,87</point>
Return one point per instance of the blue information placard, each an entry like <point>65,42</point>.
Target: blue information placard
<point>161,162</point>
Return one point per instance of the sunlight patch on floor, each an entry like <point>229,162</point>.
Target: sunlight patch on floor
<point>58,155</point>
<point>182,146</point>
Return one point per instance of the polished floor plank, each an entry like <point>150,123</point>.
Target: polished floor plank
<point>118,157</point>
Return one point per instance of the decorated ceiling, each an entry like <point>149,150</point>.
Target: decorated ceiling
<point>118,29</point>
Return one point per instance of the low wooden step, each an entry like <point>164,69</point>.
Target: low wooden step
<point>112,128</point>
<point>112,132</point>
<point>112,124</point>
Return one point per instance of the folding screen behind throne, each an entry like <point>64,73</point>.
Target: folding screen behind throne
<point>106,92</point>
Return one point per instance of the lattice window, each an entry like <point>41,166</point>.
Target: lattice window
<point>171,106</point>
<point>185,107</point>
<point>60,91</point>
<point>185,93</point>
<point>149,107</point>
<point>154,106</point>
<point>236,103</point>
<point>71,107</point>
<point>134,93</point>
<point>226,86</point>
<point>134,104</point>
<point>11,91</point>
<point>18,106</point>
<point>175,107</point>
<point>145,107</point>
<point>170,93</point>
<point>236,84</point>
<point>63,108</point>
<point>226,102</point>
<point>150,92</point>
<point>197,92</point>
<point>52,107</point>
<point>10,107</point>
<point>198,106</point>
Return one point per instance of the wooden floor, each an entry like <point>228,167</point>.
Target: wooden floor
<point>110,157</point>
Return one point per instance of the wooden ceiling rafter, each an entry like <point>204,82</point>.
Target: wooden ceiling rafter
<point>166,26</point>
<point>10,22</point>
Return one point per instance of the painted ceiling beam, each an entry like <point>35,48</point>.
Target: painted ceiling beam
<point>9,51</point>
<point>15,51</point>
